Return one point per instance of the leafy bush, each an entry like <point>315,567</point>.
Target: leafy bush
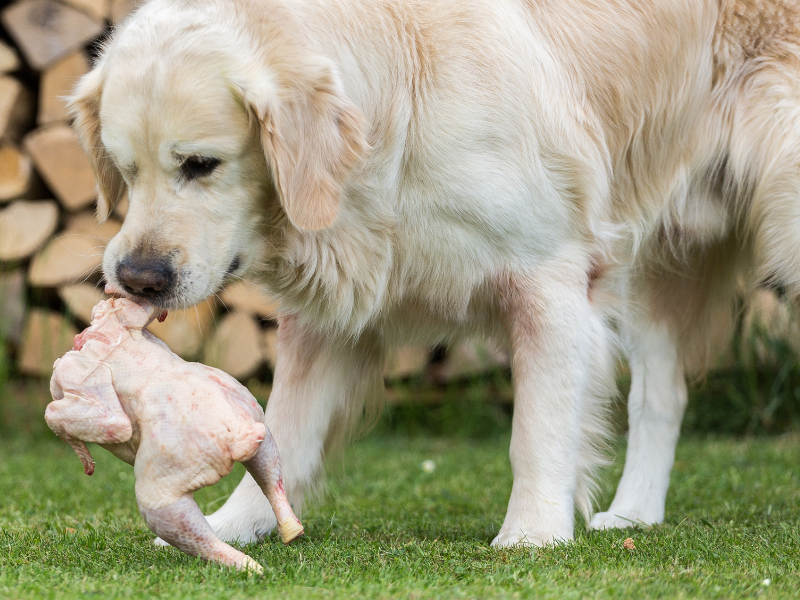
<point>758,394</point>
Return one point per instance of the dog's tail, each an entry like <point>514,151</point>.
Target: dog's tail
<point>593,451</point>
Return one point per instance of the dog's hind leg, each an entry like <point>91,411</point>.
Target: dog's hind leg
<point>556,335</point>
<point>681,315</point>
<point>322,389</point>
<point>655,409</point>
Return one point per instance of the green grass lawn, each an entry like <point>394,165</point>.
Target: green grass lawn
<point>387,529</point>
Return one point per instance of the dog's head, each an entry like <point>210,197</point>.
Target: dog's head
<point>216,126</point>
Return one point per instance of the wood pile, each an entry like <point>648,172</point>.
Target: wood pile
<point>51,246</point>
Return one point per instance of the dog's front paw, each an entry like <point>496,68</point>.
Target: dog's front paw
<point>239,528</point>
<point>243,526</point>
<point>621,519</point>
<point>522,536</point>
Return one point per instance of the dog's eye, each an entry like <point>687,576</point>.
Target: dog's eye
<point>194,167</point>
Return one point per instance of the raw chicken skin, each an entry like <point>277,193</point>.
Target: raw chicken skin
<point>182,425</point>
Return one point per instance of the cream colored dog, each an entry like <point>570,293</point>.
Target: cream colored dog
<point>400,172</point>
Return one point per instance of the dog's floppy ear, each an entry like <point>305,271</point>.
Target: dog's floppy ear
<point>312,136</point>
<point>84,107</point>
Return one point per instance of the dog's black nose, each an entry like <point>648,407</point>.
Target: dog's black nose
<point>146,278</point>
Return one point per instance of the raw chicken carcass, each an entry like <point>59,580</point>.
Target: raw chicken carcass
<point>181,425</point>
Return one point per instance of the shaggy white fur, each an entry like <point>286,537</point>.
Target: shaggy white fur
<point>732,224</point>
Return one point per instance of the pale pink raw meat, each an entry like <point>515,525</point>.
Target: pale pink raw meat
<point>182,425</point>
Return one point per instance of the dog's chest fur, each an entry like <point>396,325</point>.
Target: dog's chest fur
<point>419,276</point>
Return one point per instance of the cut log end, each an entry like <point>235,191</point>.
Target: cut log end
<point>235,347</point>
<point>57,83</point>
<point>9,61</point>
<point>67,259</point>
<point>25,226</point>
<point>185,330</point>
<point>16,108</point>
<point>47,336</point>
<point>46,30</point>
<point>59,158</point>
<point>16,173</point>
<point>251,298</point>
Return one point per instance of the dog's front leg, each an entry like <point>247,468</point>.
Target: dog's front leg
<point>322,387</point>
<point>560,357</point>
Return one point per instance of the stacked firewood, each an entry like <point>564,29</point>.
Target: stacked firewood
<point>51,246</point>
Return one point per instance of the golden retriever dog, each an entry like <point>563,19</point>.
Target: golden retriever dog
<point>403,171</point>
